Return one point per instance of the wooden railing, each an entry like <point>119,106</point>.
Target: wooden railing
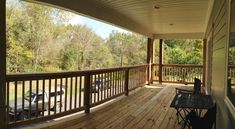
<point>43,96</point>
<point>172,73</point>
<point>231,71</point>
<point>231,74</point>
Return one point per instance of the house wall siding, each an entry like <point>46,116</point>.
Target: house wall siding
<point>218,29</point>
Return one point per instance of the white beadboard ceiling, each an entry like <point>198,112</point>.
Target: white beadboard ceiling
<point>173,19</point>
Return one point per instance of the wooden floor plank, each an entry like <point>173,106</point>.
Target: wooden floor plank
<point>147,108</point>
<point>136,115</point>
<point>155,120</point>
<point>107,115</point>
<point>146,115</point>
<point>127,115</point>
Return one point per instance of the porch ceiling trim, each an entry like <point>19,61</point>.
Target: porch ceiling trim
<point>179,36</point>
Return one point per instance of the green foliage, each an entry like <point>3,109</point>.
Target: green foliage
<point>39,39</point>
<point>231,54</point>
<point>69,58</point>
<point>183,51</point>
<point>127,48</point>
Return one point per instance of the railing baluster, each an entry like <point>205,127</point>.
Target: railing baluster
<point>105,86</point>
<point>37,83</point>
<point>23,91</point>
<point>113,83</point>
<point>120,81</point>
<point>126,82</point>
<point>43,96</point>
<point>55,97</point>
<point>49,98</point>
<point>7,99</point>
<point>102,86</point>
<point>110,84</point>
<point>99,86</point>
<point>61,83</point>
<point>80,90</point>
<point>71,93</point>
<point>15,100</point>
<point>123,81</point>
<point>90,93</point>
<point>76,90</point>
<point>66,93</point>
<point>93,87</point>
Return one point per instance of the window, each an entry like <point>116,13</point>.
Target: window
<point>231,58</point>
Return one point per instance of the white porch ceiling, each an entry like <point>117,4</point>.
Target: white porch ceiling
<point>173,19</point>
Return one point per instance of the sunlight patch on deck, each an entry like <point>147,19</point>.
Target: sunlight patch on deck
<point>159,94</point>
<point>153,87</point>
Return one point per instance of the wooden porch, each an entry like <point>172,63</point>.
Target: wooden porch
<point>145,108</point>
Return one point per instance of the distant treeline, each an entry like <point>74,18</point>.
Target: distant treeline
<point>39,39</point>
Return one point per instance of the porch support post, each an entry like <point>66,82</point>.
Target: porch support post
<point>3,113</point>
<point>204,63</point>
<point>127,82</point>
<point>87,88</point>
<point>149,60</point>
<point>160,61</point>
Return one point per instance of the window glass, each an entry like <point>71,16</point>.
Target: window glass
<point>231,57</point>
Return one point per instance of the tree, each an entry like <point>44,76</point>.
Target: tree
<point>69,55</point>
<point>183,51</point>
<point>18,55</point>
<point>127,48</point>
<point>30,36</point>
<point>39,38</point>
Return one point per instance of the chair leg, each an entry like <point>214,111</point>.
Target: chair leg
<point>186,124</point>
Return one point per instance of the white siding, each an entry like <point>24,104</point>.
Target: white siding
<point>218,28</point>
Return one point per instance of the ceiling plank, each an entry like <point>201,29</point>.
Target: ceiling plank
<point>173,17</point>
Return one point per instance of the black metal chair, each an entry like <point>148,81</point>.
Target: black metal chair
<point>229,89</point>
<point>197,122</point>
<point>196,88</point>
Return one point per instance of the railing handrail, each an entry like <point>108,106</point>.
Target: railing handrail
<point>231,66</point>
<point>180,65</point>
<point>44,75</point>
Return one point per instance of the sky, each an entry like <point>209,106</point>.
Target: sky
<point>101,29</point>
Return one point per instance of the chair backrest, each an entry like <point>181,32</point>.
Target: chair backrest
<point>229,89</point>
<point>197,86</point>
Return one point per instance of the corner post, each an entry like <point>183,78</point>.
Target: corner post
<point>87,88</point>
<point>149,59</point>
<point>3,112</point>
<point>204,63</point>
<point>127,82</point>
<point>160,61</point>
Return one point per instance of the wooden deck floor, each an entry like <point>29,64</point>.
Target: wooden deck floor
<point>147,108</point>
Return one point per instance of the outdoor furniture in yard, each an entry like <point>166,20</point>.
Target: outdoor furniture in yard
<point>186,103</point>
